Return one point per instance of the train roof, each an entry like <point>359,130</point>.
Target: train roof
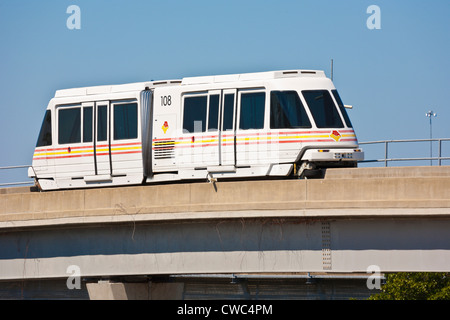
<point>253,76</point>
<point>138,86</point>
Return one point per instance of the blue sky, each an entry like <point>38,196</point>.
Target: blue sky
<point>392,76</point>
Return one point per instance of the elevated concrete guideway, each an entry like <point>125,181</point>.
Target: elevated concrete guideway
<point>395,218</point>
<point>346,192</point>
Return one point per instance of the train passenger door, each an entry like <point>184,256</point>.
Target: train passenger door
<point>96,131</point>
<point>102,141</point>
<point>125,146</point>
<point>209,129</point>
<point>116,144</point>
<point>73,156</point>
<point>227,133</point>
<point>211,147</point>
<point>251,149</point>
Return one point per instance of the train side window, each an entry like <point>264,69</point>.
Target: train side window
<point>194,118</point>
<point>252,110</point>
<point>125,121</point>
<point>213,118</point>
<point>45,135</point>
<point>228,109</point>
<point>287,111</point>
<point>323,109</point>
<point>87,124</point>
<point>102,123</point>
<point>69,125</point>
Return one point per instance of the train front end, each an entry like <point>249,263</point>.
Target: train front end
<point>307,111</point>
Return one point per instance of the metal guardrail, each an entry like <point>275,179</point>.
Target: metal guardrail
<point>386,158</point>
<point>8,184</point>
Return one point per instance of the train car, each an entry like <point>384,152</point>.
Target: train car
<point>268,124</point>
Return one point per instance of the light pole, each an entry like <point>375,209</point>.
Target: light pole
<point>431,114</point>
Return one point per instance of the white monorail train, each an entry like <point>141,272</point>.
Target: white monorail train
<point>280,123</point>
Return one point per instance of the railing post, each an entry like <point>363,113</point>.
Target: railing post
<point>385,153</point>
<point>439,152</point>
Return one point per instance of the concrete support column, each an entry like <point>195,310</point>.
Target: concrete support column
<point>107,290</point>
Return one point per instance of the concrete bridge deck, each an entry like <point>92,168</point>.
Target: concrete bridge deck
<point>363,192</point>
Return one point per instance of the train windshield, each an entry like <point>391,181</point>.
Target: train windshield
<point>323,109</point>
<point>45,135</point>
<point>342,108</point>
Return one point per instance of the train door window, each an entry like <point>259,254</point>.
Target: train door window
<point>228,110</point>
<point>213,116</point>
<point>69,125</point>
<point>342,108</point>
<point>87,124</point>
<point>252,110</point>
<point>125,121</point>
<point>45,135</point>
<point>323,109</point>
<point>102,123</point>
<point>194,117</point>
<point>287,111</point>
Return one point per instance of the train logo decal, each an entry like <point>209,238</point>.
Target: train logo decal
<point>165,126</point>
<point>335,135</point>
